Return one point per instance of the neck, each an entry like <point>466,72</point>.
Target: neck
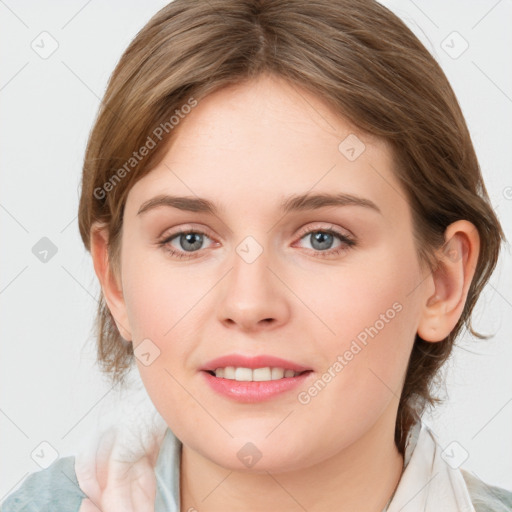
<point>361,477</point>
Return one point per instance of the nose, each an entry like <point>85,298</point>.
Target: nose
<point>253,297</point>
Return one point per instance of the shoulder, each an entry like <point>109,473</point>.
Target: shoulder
<point>485,497</point>
<point>54,488</point>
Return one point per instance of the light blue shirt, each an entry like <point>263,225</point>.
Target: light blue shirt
<point>56,488</point>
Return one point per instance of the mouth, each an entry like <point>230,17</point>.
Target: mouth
<point>253,379</point>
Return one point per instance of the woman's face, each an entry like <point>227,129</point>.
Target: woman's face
<point>335,289</point>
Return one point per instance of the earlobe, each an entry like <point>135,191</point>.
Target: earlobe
<point>451,280</point>
<point>111,287</point>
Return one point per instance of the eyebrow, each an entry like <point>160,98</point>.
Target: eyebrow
<point>301,202</point>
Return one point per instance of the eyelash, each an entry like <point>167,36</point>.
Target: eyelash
<point>348,241</point>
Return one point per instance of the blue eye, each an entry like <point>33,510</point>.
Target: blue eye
<point>190,242</point>
<point>322,240</point>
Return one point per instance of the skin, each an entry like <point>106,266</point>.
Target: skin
<point>246,148</point>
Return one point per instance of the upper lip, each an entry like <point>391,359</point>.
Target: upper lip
<point>260,361</point>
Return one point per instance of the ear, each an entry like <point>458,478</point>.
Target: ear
<point>111,285</point>
<point>451,280</point>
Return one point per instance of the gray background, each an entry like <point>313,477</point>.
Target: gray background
<point>51,390</point>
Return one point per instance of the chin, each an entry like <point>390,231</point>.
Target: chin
<point>244,455</point>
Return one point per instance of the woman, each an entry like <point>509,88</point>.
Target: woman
<point>290,228</point>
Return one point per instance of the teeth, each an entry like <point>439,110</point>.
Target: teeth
<point>262,374</point>
<point>256,374</point>
<point>229,372</point>
<point>277,373</point>
<point>243,374</point>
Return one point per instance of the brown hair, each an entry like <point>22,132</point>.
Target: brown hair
<point>358,57</point>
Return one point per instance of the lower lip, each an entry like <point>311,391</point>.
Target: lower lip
<point>258,391</point>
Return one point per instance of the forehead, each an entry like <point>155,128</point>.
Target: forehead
<point>263,141</point>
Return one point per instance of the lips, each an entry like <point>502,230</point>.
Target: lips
<point>237,386</point>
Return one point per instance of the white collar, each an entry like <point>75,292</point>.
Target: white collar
<point>428,483</point>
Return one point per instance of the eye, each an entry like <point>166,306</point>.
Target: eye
<point>186,243</point>
<point>322,240</point>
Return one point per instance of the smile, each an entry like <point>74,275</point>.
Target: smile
<point>253,378</point>
<point>242,374</point>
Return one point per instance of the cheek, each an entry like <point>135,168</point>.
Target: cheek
<point>162,304</point>
<point>369,317</point>
<point>366,359</point>
<point>156,297</point>
<point>159,312</point>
